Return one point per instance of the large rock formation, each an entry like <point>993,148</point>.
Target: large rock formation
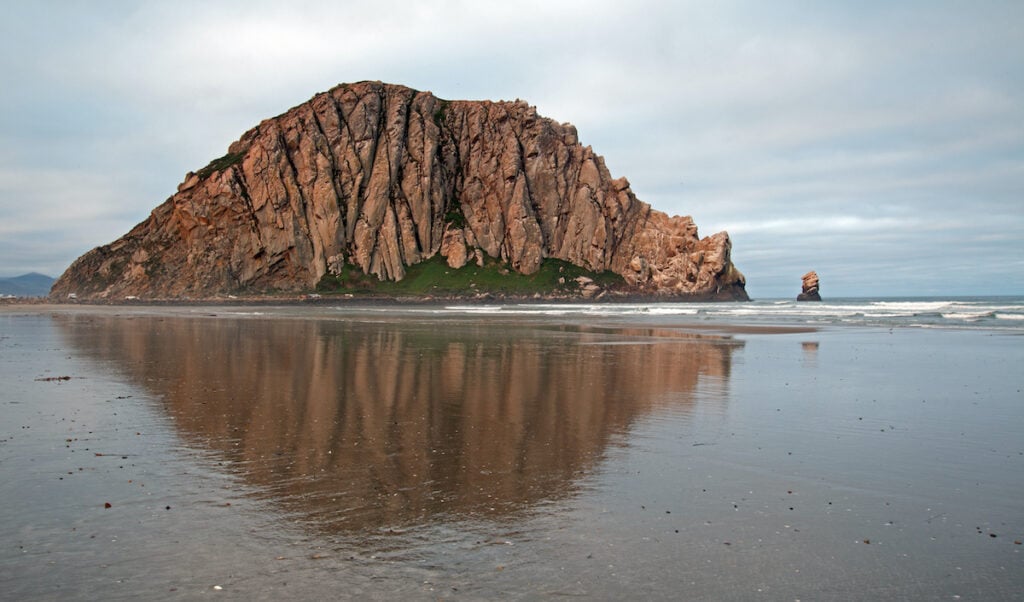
<point>383,177</point>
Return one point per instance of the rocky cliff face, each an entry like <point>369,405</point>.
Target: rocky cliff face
<point>383,177</point>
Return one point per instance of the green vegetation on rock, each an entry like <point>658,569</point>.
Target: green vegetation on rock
<point>435,277</point>
<point>220,164</point>
<point>439,114</point>
<point>454,216</point>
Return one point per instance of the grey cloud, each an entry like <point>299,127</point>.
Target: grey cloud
<point>878,144</point>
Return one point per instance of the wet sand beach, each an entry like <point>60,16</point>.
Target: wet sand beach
<point>310,453</point>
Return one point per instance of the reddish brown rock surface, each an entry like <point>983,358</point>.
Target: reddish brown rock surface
<point>809,287</point>
<point>383,177</point>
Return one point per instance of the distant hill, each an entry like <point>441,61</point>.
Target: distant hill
<point>26,285</point>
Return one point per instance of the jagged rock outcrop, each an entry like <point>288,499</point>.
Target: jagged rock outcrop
<point>809,290</point>
<point>382,176</point>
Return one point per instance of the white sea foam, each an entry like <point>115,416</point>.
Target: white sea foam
<point>474,309</point>
<point>912,306</point>
<point>673,311</point>
<point>968,315</point>
<point>1003,313</point>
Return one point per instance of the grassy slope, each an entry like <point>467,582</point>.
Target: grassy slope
<point>434,277</point>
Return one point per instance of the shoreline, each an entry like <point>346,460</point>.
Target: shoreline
<point>994,315</point>
<point>610,298</point>
<point>184,310</point>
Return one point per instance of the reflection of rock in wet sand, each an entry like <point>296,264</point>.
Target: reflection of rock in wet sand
<point>810,349</point>
<point>357,425</point>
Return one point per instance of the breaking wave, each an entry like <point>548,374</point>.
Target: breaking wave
<point>980,312</point>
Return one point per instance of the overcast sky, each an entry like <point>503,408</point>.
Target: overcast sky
<point>879,143</point>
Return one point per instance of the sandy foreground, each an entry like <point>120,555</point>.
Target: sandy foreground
<point>270,452</point>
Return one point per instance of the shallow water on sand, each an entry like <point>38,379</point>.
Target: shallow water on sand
<point>392,455</point>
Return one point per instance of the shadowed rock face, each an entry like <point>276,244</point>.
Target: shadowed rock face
<point>362,425</point>
<point>383,177</point>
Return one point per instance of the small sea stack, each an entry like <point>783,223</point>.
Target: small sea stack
<point>810,288</point>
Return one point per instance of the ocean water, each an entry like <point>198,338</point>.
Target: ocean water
<point>852,449</point>
<point>921,312</point>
